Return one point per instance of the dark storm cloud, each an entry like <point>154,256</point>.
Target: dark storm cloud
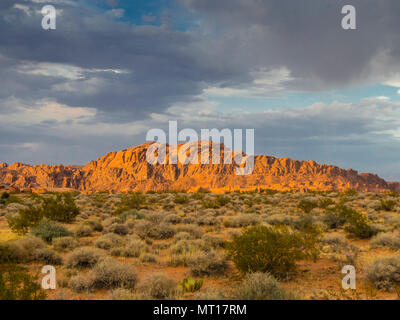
<point>307,37</point>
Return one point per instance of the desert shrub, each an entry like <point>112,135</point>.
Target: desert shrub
<point>142,228</point>
<point>109,273</point>
<point>65,243</point>
<point>48,230</point>
<point>47,256</point>
<point>357,225</point>
<point>120,294</point>
<point>130,214</point>
<point>129,202</point>
<point>261,286</point>
<point>212,241</point>
<point>387,205</point>
<point>108,241</point>
<point>26,219</point>
<point>94,224</point>
<point>83,258</point>
<point>161,231</point>
<point>280,219</point>
<point>17,284</point>
<point>182,236</point>
<point>181,199</point>
<point>307,205</point>
<point>325,203</point>
<point>83,230</point>
<point>182,251</point>
<point>242,220</point>
<point>384,273</point>
<point>173,218</point>
<point>269,249</point>
<point>23,249</point>
<point>222,200</point>
<point>147,258</point>
<point>207,263</point>
<point>193,230</point>
<point>133,249</point>
<point>118,228</point>
<point>334,238</point>
<point>387,239</point>
<point>210,204</point>
<point>159,286</point>
<point>62,209</point>
<point>334,218</point>
<point>79,283</point>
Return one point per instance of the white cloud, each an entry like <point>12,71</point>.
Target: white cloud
<point>27,113</point>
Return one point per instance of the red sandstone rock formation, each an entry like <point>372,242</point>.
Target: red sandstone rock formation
<point>128,170</point>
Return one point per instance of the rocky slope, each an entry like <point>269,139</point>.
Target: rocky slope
<point>128,170</point>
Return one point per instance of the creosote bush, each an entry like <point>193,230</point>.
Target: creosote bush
<point>62,208</point>
<point>270,249</point>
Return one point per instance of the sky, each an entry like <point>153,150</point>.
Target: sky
<point>112,70</point>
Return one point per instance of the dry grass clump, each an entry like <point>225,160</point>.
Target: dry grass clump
<point>192,229</point>
<point>31,249</point>
<point>159,286</point>
<point>117,228</point>
<point>120,294</point>
<point>65,243</point>
<point>85,257</point>
<point>208,264</point>
<point>83,230</point>
<point>183,251</point>
<point>161,231</point>
<point>261,286</point>
<point>384,273</point>
<point>242,220</point>
<point>388,239</point>
<point>109,273</point>
<point>109,240</point>
<point>133,249</point>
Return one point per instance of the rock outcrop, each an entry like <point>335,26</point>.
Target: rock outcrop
<point>128,170</point>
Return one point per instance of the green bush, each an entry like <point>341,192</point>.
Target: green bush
<point>270,249</point>
<point>222,200</point>
<point>181,199</point>
<point>210,204</point>
<point>47,230</point>
<point>387,205</point>
<point>129,202</point>
<point>357,225</point>
<point>62,208</point>
<point>261,286</point>
<point>17,284</point>
<point>307,205</point>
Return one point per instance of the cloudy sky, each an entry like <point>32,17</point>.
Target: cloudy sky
<point>113,69</point>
